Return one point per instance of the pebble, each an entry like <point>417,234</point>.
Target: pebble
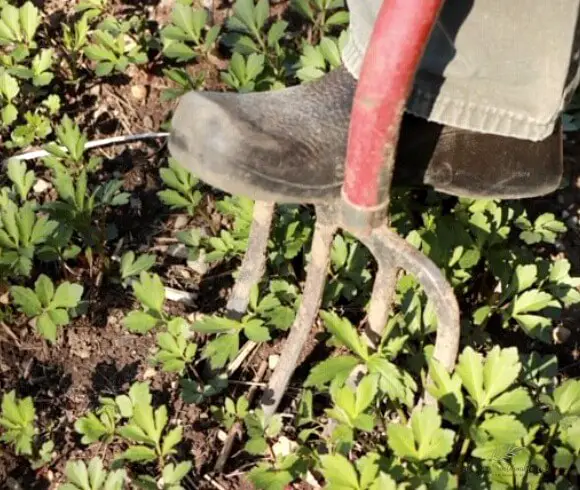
<point>41,186</point>
<point>181,222</point>
<point>273,361</point>
<point>178,250</point>
<point>139,92</point>
<point>561,335</point>
<point>200,266</point>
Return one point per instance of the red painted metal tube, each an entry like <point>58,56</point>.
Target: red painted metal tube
<point>399,37</point>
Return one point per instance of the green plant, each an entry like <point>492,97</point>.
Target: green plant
<point>182,192</point>
<point>18,28</point>
<point>150,292</point>
<point>18,429</point>
<point>231,412</point>
<point>38,73</point>
<point>227,345</point>
<point>324,15</point>
<point>249,34</point>
<point>69,150</point>
<point>113,48</point>
<point>316,61</point>
<point>17,421</point>
<point>187,36</point>
<point>22,231</point>
<point>131,266</point>
<point>79,476</point>
<point>185,82</point>
<point>175,349</point>
<point>243,72</point>
<point>9,89</point>
<point>49,308</point>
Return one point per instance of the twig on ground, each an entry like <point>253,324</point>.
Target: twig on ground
<point>237,427</point>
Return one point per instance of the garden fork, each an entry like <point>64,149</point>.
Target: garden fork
<point>398,40</point>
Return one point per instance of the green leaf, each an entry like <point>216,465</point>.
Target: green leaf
<point>173,474</point>
<point>131,267</point>
<point>139,322</point>
<point>9,114</point>
<point>470,370</point>
<point>67,295</point>
<point>46,327</point>
<point>531,301</point>
<point>446,388</point>
<point>256,446</point>
<point>26,300</point>
<point>77,473</point>
<point>216,324</point>
<point>171,440</point>
<point>29,20</point>
<point>563,458</point>
<point>504,428</point>
<point>525,276</point>
<point>150,291</point>
<point>366,392</point>
<point>339,472</point>
<point>139,454</point>
<point>514,401</point>
<point>329,369</point>
<point>256,332</point>
<point>424,440</point>
<point>345,333</point>
<point>44,289</point>
<point>567,397</point>
<point>501,370</point>
<point>91,428</point>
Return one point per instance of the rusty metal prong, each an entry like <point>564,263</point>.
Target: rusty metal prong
<point>254,261</point>
<point>311,298</point>
<point>389,248</point>
<point>381,301</point>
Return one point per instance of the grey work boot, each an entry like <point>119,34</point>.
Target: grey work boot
<point>290,146</point>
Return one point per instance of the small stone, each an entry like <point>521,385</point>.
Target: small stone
<point>181,222</point>
<point>40,186</point>
<point>273,361</point>
<point>178,250</point>
<point>139,92</point>
<point>200,266</point>
<point>560,335</point>
<point>149,373</point>
<point>222,436</point>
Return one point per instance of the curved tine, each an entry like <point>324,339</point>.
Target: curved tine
<point>311,297</point>
<point>254,261</point>
<point>387,246</point>
<point>381,301</point>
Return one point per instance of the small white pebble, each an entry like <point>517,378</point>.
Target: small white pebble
<point>41,186</point>
<point>222,436</point>
<point>273,361</point>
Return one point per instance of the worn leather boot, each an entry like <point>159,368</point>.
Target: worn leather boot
<point>290,146</point>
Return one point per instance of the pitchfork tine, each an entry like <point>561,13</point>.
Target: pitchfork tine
<point>254,261</point>
<point>387,247</point>
<point>381,301</point>
<point>312,296</point>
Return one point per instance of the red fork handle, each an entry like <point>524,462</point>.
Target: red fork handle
<point>399,38</point>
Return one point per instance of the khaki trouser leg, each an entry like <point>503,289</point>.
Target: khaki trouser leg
<point>504,67</point>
